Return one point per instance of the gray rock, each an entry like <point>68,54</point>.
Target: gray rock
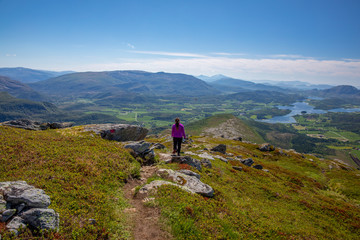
<point>266,147</point>
<point>247,162</point>
<point>221,148</point>
<point>222,159</point>
<point>20,207</point>
<point>92,221</point>
<point>190,182</point>
<point>16,224</point>
<point>190,173</point>
<point>238,139</point>
<point>266,170</point>
<point>237,168</point>
<point>57,125</point>
<point>34,125</point>
<point>41,218</point>
<point>118,132</point>
<point>139,147</point>
<point>20,192</point>
<point>206,163</point>
<point>158,146</point>
<point>142,149</point>
<point>207,156</point>
<point>148,188</point>
<point>24,124</point>
<point>7,214</point>
<point>187,160</point>
<point>258,166</point>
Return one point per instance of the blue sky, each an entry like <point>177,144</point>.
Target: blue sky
<point>316,41</point>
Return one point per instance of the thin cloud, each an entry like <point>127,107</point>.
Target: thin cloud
<point>10,55</point>
<point>130,45</point>
<point>228,54</point>
<point>170,54</point>
<point>309,70</point>
<point>289,56</point>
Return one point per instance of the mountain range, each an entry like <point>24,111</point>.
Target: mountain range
<point>90,84</point>
<point>27,75</point>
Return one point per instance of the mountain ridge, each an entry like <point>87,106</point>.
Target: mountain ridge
<point>28,75</point>
<point>92,83</point>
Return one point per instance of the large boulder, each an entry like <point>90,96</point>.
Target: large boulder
<point>191,182</point>
<point>247,161</point>
<point>41,218</point>
<point>187,160</point>
<point>23,205</point>
<point>19,192</point>
<point>118,132</point>
<point>221,148</point>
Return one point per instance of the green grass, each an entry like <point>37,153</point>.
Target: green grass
<point>301,198</point>
<point>82,174</point>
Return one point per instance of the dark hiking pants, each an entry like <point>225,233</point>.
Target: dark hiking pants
<point>177,145</point>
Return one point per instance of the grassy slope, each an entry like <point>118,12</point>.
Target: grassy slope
<point>81,173</point>
<point>301,198</point>
<point>197,128</point>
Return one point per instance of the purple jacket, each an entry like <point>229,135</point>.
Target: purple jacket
<point>178,133</point>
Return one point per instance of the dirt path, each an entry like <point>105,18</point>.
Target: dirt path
<point>145,219</point>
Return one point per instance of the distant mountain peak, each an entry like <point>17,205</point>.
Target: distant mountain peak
<point>212,78</point>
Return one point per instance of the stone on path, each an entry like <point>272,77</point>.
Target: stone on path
<point>187,160</point>
<point>190,182</point>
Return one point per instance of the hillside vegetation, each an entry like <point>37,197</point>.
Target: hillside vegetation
<point>300,197</point>
<point>81,173</point>
<point>224,125</point>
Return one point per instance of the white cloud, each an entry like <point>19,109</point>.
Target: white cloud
<point>170,54</point>
<point>311,70</point>
<point>130,45</point>
<point>228,54</point>
<point>10,55</point>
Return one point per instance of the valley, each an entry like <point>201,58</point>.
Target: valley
<point>154,100</point>
<point>307,176</point>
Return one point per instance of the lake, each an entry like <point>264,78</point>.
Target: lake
<point>298,107</point>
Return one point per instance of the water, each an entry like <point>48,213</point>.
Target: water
<point>298,107</point>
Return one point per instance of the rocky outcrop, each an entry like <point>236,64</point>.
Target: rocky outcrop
<point>221,148</point>
<point>143,150</point>
<point>23,205</point>
<point>266,147</point>
<point>187,160</point>
<point>118,132</point>
<point>189,183</point>
<point>34,125</point>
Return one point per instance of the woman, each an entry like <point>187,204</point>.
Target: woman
<point>177,132</point>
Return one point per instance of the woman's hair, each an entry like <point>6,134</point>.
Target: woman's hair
<point>177,121</point>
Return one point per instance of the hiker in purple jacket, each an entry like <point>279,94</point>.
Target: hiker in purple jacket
<point>177,132</point>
